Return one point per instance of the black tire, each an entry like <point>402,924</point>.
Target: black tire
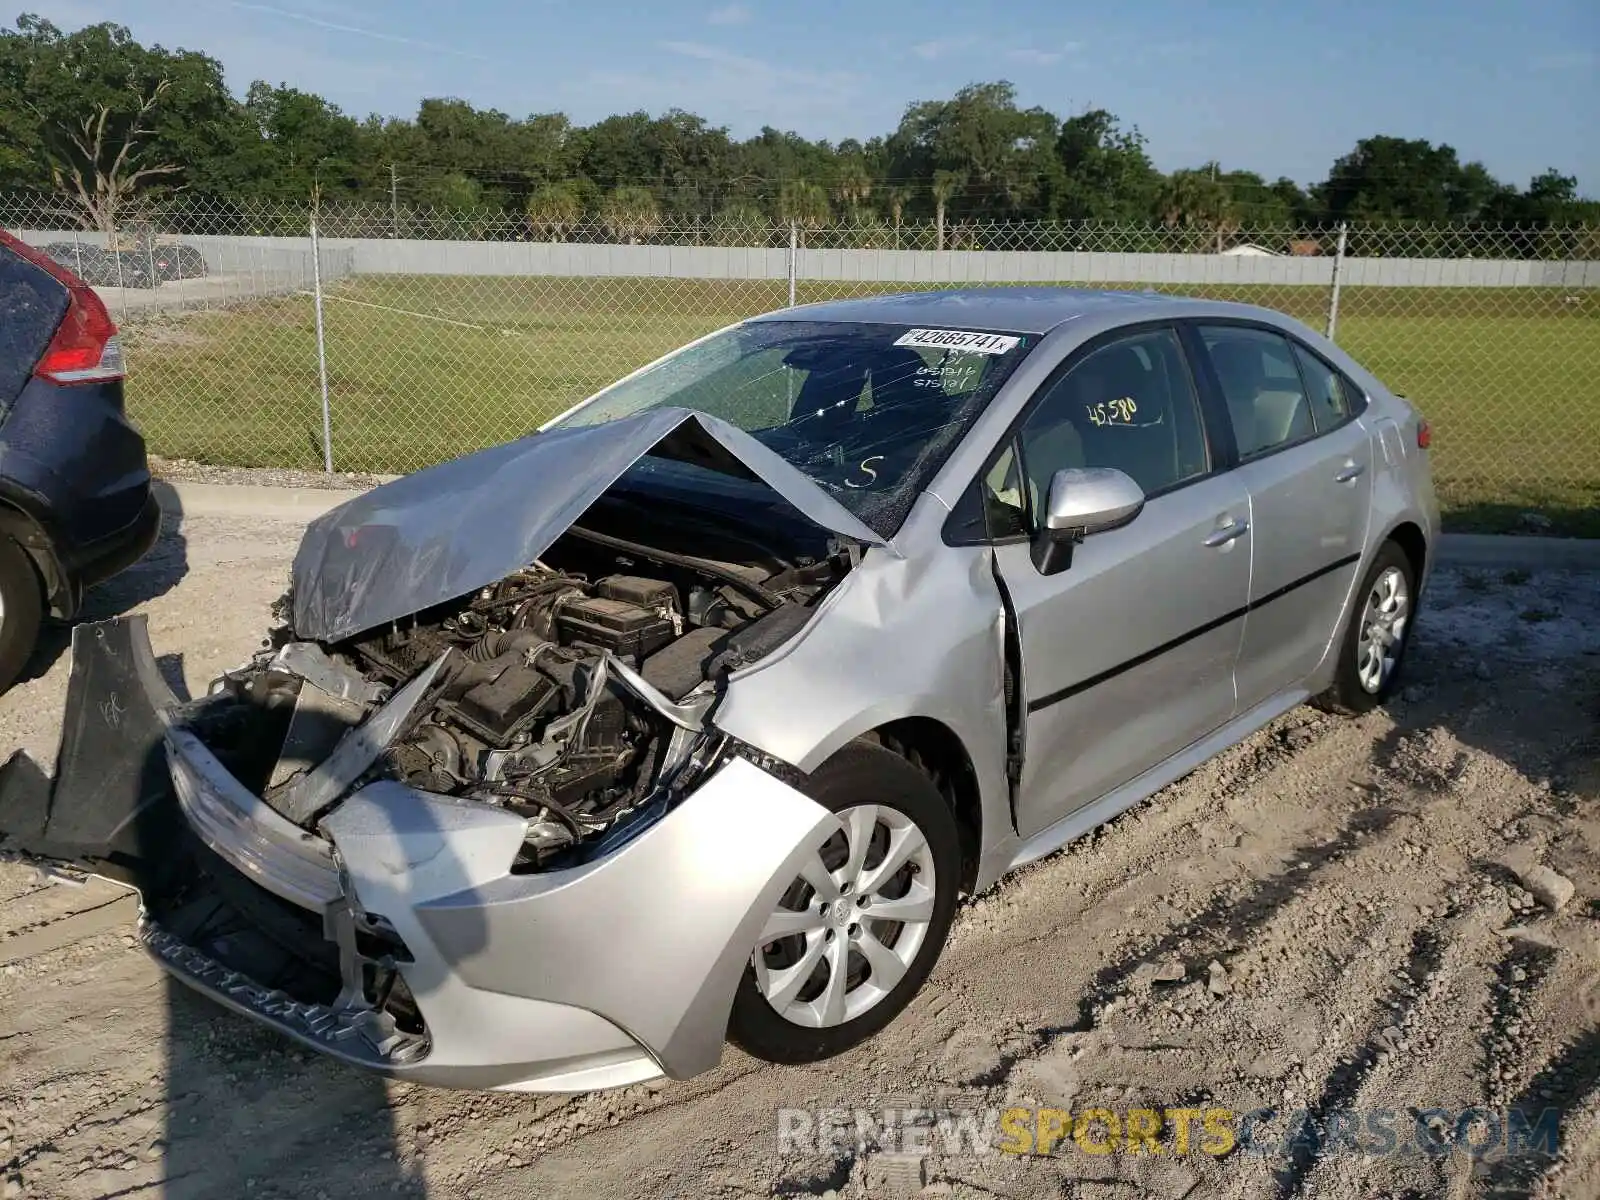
<point>861,772</point>
<point>1347,695</point>
<point>23,611</point>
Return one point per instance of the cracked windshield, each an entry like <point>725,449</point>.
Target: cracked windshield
<point>869,411</point>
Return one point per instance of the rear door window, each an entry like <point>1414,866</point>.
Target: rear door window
<point>1261,384</point>
<point>1333,399</point>
<point>32,304</point>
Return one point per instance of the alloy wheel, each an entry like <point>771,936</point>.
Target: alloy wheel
<point>1383,629</point>
<point>848,929</point>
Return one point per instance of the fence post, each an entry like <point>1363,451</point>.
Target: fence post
<point>322,349</point>
<point>1338,280</point>
<point>114,245</point>
<point>794,254</point>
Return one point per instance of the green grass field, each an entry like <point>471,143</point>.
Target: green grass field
<point>1510,378</point>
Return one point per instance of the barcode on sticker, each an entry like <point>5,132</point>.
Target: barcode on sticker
<point>957,339</point>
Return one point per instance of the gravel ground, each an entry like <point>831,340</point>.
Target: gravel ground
<point>1327,917</point>
<point>184,469</point>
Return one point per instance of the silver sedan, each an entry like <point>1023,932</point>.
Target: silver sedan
<point>690,716</point>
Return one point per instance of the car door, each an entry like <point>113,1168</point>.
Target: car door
<point>1307,463</point>
<point>1127,655</point>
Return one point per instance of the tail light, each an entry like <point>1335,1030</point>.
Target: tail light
<point>1424,435</point>
<point>85,348</point>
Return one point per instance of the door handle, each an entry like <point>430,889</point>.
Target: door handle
<point>1227,533</point>
<point>1350,472</point>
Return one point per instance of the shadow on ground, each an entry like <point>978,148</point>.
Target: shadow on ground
<point>157,573</point>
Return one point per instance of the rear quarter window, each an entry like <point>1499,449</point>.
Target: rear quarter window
<point>32,304</point>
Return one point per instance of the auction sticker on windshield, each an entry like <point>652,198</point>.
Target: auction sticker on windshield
<point>956,339</point>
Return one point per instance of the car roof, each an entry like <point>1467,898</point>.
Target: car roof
<point>1006,309</point>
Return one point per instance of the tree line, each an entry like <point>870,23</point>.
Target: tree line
<point>106,124</point>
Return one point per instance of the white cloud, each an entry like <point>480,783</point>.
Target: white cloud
<point>340,27</point>
<point>1033,56</point>
<point>754,68</point>
<point>742,91</point>
<point>729,14</point>
<point>939,47</point>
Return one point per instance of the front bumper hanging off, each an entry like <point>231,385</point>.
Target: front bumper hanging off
<point>600,975</point>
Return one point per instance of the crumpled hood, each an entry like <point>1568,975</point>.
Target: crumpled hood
<point>462,525</point>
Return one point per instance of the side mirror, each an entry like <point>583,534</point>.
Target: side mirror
<point>1082,501</point>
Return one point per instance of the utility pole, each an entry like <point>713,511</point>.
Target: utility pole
<point>394,202</point>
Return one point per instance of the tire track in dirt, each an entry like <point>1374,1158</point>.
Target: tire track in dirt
<point>1341,1087</point>
<point>1570,1082</point>
<point>1236,906</point>
<point>1367,840</point>
<point>1142,841</point>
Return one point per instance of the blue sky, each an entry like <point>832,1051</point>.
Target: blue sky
<point>1260,84</point>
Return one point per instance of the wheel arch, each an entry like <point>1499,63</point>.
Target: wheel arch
<point>1409,537</point>
<point>933,747</point>
<point>22,527</point>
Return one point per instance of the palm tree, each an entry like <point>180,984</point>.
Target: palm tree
<point>898,198</point>
<point>803,205</point>
<point>852,184</point>
<point>1196,200</point>
<point>945,185</point>
<point>630,213</point>
<point>553,210</point>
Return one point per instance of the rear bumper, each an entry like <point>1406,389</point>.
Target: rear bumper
<point>88,564</point>
<point>77,482</point>
<point>614,971</point>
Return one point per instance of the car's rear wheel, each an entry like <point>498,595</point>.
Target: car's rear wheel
<point>21,611</point>
<point>1375,639</point>
<point>854,936</point>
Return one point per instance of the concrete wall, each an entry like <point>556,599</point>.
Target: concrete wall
<point>380,256</point>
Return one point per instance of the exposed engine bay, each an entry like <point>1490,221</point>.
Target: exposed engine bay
<point>566,692</point>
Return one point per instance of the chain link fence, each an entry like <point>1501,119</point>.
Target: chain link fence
<point>441,332</point>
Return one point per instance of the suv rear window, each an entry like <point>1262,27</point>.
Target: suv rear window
<point>32,304</point>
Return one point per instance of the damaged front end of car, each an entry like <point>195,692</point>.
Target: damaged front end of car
<point>467,817</point>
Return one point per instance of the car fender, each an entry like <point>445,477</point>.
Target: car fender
<point>900,637</point>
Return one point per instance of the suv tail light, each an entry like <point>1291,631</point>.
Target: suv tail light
<point>85,348</point>
<point>1424,435</point>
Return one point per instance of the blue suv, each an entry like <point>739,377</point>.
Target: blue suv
<point>75,499</point>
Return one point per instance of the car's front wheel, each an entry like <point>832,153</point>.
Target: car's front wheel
<point>854,936</point>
